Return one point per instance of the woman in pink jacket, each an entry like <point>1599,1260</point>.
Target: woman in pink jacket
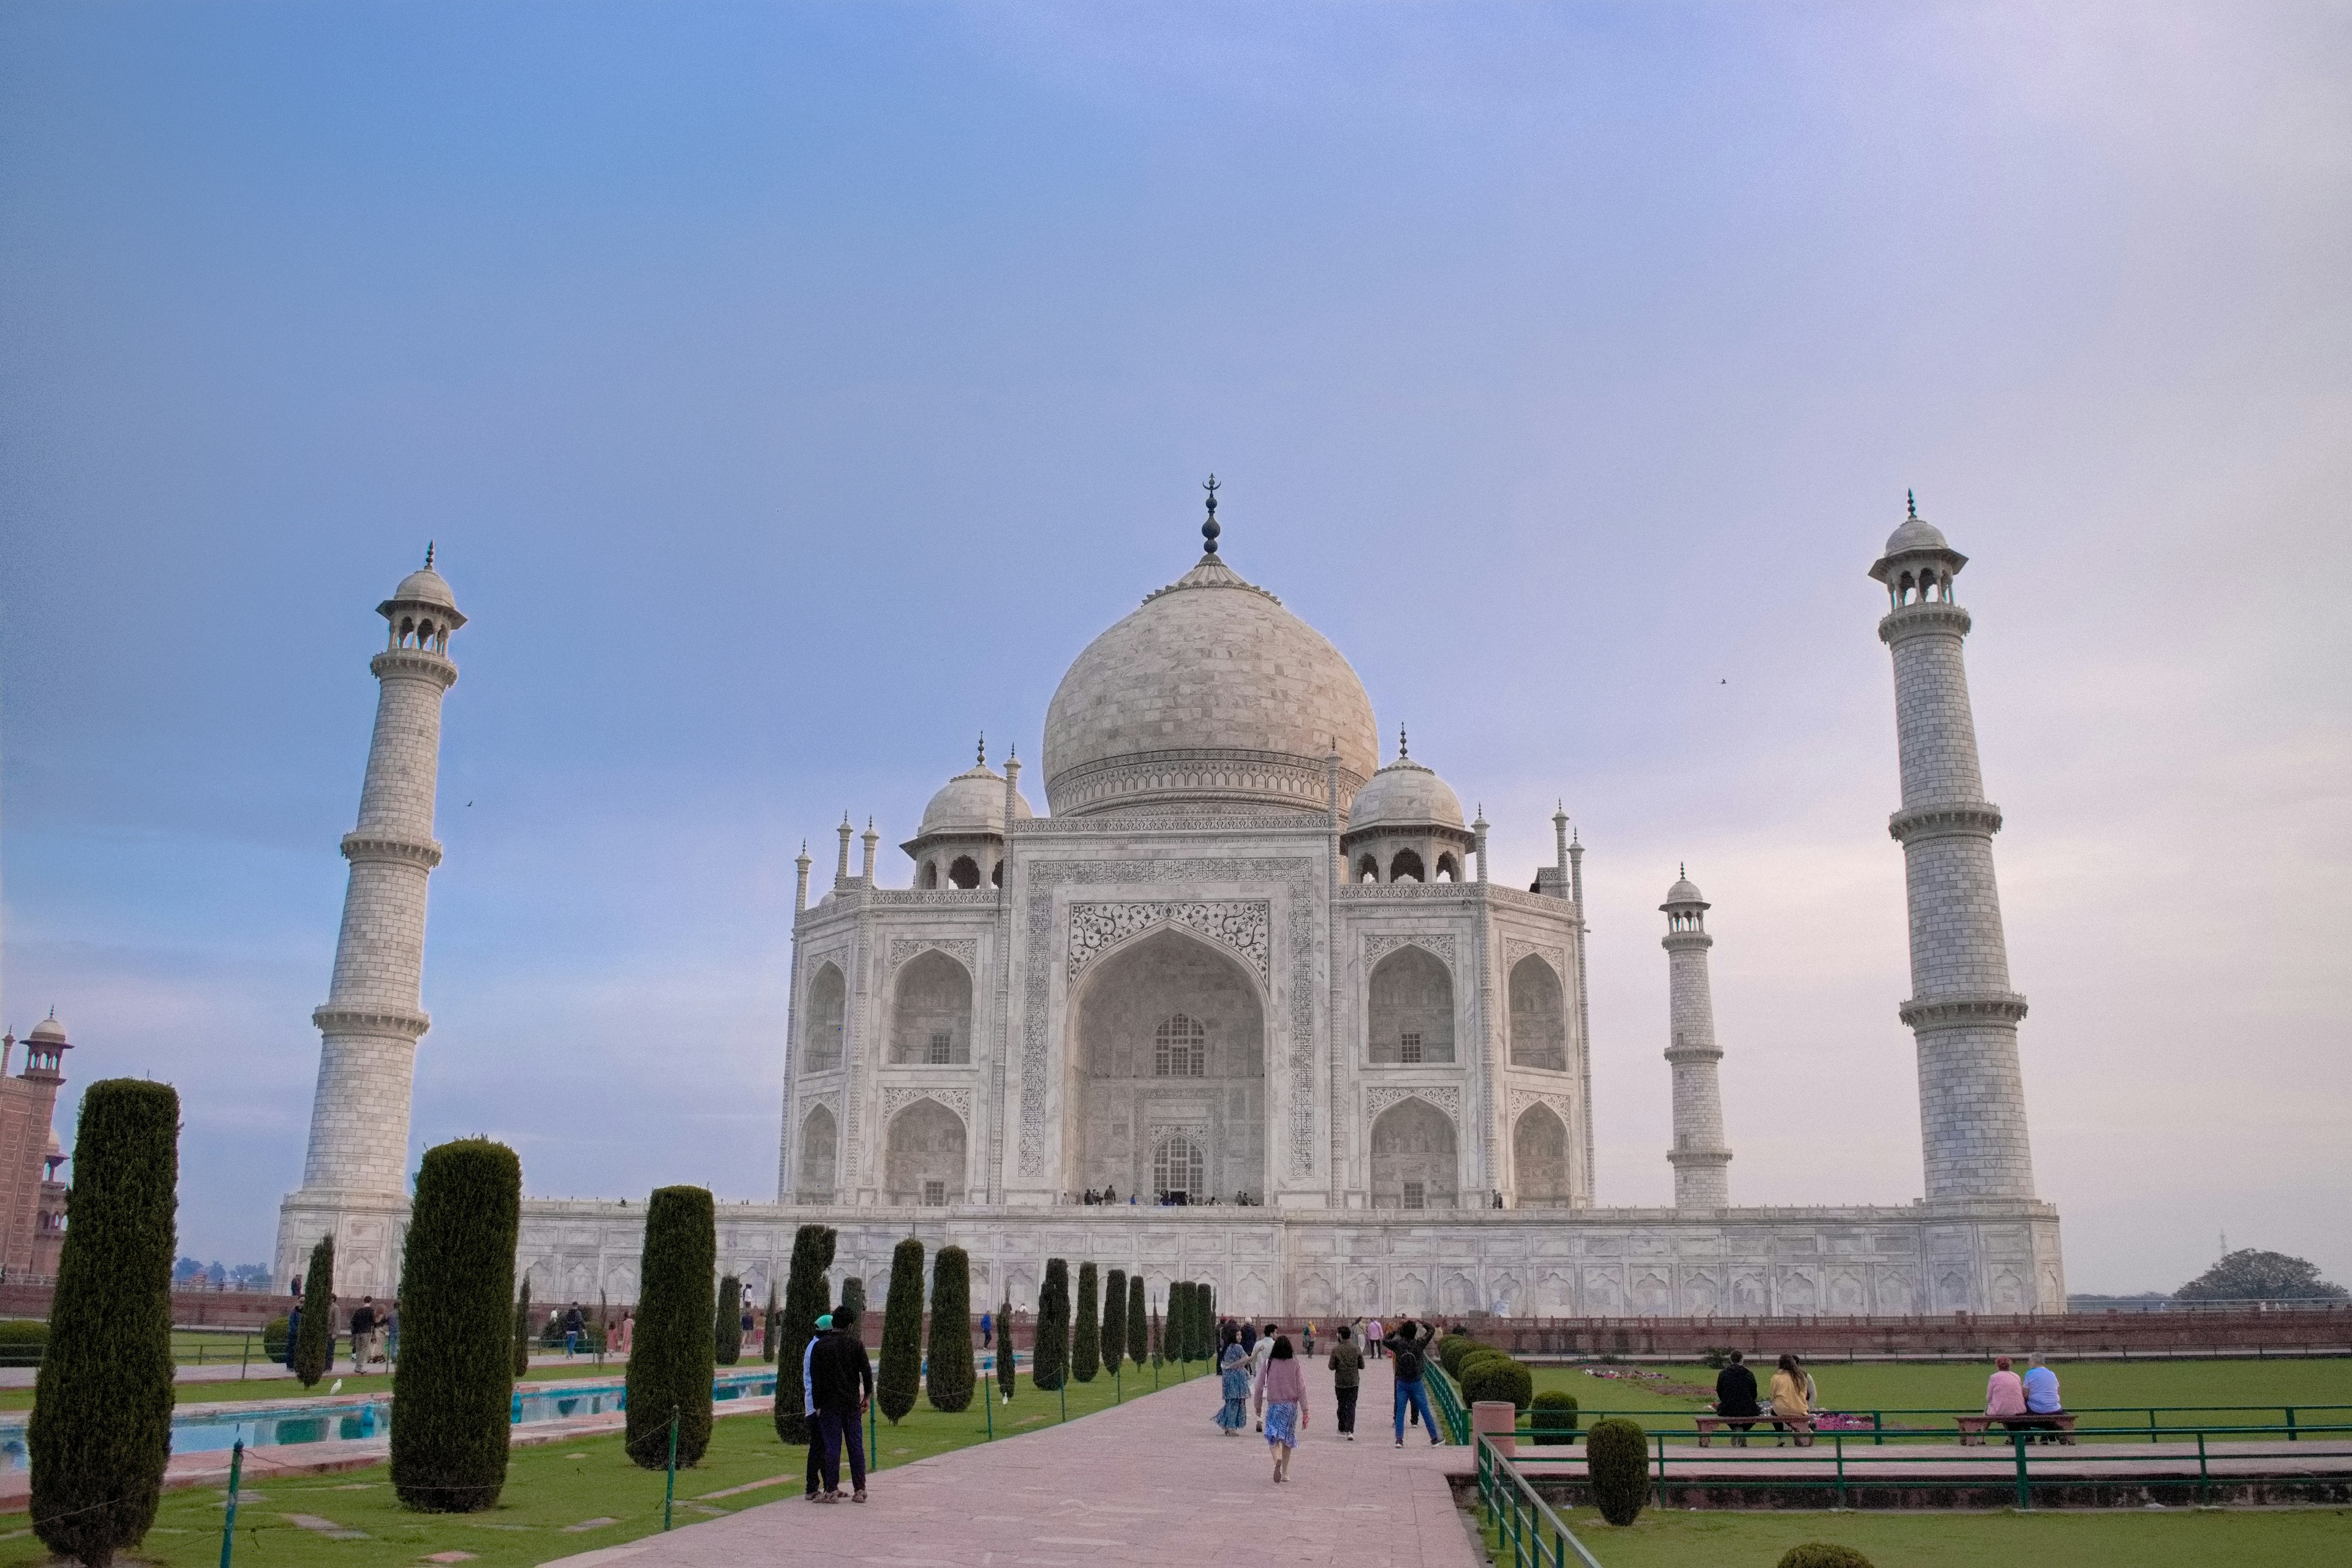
<point>2005,1395</point>
<point>1282,1390</point>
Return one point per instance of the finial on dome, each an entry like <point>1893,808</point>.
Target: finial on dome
<point>1401,753</point>
<point>983,748</point>
<point>1682,869</point>
<point>428,555</point>
<point>1209,529</point>
<point>1911,503</point>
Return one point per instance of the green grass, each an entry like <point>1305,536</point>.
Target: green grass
<point>2175,1538</point>
<point>548,1489</point>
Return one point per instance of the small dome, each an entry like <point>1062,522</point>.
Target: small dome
<point>971,802</point>
<point>1685,892</point>
<point>49,1028</point>
<point>1916,533</point>
<point>1404,793</point>
<point>426,586</point>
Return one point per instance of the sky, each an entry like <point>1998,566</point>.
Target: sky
<point>794,391</point>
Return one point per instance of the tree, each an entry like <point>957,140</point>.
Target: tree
<point>1114,1318</point>
<point>768,1327</point>
<point>849,1317</point>
<point>805,1302</point>
<point>1617,1465</point>
<point>1174,1335</point>
<point>1007,1366</point>
<point>1049,1358</point>
<point>2252,1275</point>
<point>450,1392</point>
<point>673,1357</point>
<point>900,1376</point>
<point>949,1382</point>
<point>101,1426</point>
<point>522,1329</point>
<point>314,1345</point>
<point>1086,1342</point>
<point>1139,1322</point>
<point>727,1328</point>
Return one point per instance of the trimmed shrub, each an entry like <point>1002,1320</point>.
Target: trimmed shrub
<point>805,1303</point>
<point>1450,1351</point>
<point>673,1359</point>
<point>521,1328</point>
<point>900,1377</point>
<point>1049,1358</point>
<point>22,1340</point>
<point>1085,1340</point>
<point>849,1315</point>
<point>1498,1377</point>
<point>1204,1322</point>
<point>1823,1554</point>
<point>1114,1318</point>
<point>727,1325</point>
<point>1617,1459</point>
<point>1139,1322</point>
<point>1007,1371</point>
<point>450,1428</point>
<point>314,1344</point>
<point>948,1380</point>
<point>768,1327</point>
<point>1553,1416</point>
<point>1176,1334</point>
<point>278,1333</point>
<point>101,1426</point>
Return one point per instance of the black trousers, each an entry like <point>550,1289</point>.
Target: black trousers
<point>816,1454</point>
<point>1347,1398</point>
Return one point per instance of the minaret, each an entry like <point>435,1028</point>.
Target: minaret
<point>375,1014</point>
<point>1702,1179</point>
<point>1964,1016</point>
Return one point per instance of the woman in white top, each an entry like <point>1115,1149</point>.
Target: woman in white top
<point>1260,1353</point>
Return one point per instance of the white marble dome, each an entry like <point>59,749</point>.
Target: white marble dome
<point>1915,533</point>
<point>1404,795</point>
<point>49,1028</point>
<point>1209,698</point>
<point>426,586</point>
<point>971,802</point>
<point>1684,891</point>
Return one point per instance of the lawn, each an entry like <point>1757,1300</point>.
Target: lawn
<point>2174,1538</point>
<point>553,1494</point>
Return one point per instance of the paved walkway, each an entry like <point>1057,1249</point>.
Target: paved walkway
<point>1150,1481</point>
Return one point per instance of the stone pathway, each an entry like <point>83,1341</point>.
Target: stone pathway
<point>1150,1481</point>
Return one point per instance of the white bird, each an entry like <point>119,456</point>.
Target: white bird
<point>335,1387</point>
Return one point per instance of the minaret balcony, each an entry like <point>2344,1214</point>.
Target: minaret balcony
<point>1946,819</point>
<point>333,1020</point>
<point>415,661</point>
<point>422,852</point>
<point>1933,618</point>
<point>1947,1011</point>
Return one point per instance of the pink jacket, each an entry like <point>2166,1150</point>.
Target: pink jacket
<point>1282,1381</point>
<point>2005,1395</point>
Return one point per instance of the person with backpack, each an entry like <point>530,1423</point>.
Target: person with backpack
<point>1407,1345</point>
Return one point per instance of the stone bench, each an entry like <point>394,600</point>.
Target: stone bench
<point>1974,1428</point>
<point>1707,1425</point>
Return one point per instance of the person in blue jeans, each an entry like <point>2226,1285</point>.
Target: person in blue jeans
<point>1407,1345</point>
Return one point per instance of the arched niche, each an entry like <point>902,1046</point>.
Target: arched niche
<point>829,1004</point>
<point>923,1158</point>
<point>1410,1009</point>
<point>1133,1084</point>
<point>930,1011</point>
<point>1538,1016</point>
<point>1540,1158</point>
<point>820,1157</point>
<point>1414,1163</point>
<point>1406,868</point>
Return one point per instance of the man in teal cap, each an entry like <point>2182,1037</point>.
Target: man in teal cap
<point>808,1401</point>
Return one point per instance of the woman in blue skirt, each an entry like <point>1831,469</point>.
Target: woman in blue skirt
<point>1234,1413</point>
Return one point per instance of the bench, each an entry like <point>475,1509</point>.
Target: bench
<point>1707,1424</point>
<point>1974,1428</point>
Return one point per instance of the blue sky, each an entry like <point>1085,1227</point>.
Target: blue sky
<point>794,391</point>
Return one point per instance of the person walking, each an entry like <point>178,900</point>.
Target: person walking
<point>1735,1396</point>
<point>620,1335</point>
<point>293,1333</point>
<point>1308,1348</point>
<point>987,1327</point>
<point>1792,1411</point>
<point>574,1324</point>
<point>1373,1334</point>
<point>1347,1380</point>
<point>390,1355</point>
<point>844,1382</point>
<point>1405,1348</point>
<point>1260,1353</point>
<point>1234,1362</point>
<point>1282,1394</point>
<point>362,1333</point>
<point>808,1406</point>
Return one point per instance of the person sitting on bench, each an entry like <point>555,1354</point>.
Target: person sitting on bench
<point>2005,1397</point>
<point>1791,1409</point>
<point>1735,1396</point>
<point>2042,1397</point>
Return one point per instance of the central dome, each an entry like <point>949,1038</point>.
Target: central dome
<point>1210,698</point>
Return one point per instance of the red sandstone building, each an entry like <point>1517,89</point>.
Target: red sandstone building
<point>32,1199</point>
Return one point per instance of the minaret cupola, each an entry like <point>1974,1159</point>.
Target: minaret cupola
<point>1405,826</point>
<point>961,843</point>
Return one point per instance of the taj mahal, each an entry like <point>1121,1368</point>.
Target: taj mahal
<point>1246,1003</point>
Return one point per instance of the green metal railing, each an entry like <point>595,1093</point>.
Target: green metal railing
<point>1446,1399</point>
<point>2294,1421</point>
<point>1509,1507</point>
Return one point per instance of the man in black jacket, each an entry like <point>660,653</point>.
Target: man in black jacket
<point>1735,1396</point>
<point>841,1381</point>
<point>1408,1345</point>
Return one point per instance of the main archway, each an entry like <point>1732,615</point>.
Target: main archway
<point>1167,1057</point>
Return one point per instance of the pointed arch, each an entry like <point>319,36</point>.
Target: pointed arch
<point>1415,1158</point>
<point>924,1155</point>
<point>930,1011</point>
<point>1538,1016</point>
<point>1409,1009</point>
<point>1540,1158</point>
<point>820,1157</point>
<point>827,1014</point>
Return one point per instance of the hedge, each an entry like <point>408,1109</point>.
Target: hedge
<point>901,1374</point>
<point>101,1426</point>
<point>1823,1554</point>
<point>277,1335</point>
<point>805,1303</point>
<point>1086,1342</point>
<point>726,1321</point>
<point>1114,1318</point>
<point>1007,1371</point>
<point>449,1391</point>
<point>1049,1358</point>
<point>1138,1321</point>
<point>673,1357</point>
<point>948,1381</point>
<point>1617,1461</point>
<point>1498,1377</point>
<point>23,1340</point>
<point>1553,1416</point>
<point>314,1346</point>
<point>1451,1350</point>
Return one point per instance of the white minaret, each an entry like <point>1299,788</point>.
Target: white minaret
<point>355,1181</point>
<point>1700,1159</point>
<point>1962,1012</point>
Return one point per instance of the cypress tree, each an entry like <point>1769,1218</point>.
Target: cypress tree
<point>949,1381</point>
<point>314,1347</point>
<point>727,1328</point>
<point>805,1303</point>
<point>1007,1367</point>
<point>1175,1335</point>
<point>1049,1358</point>
<point>850,1316</point>
<point>101,1426</point>
<point>1114,1318</point>
<point>900,1376</point>
<point>1139,1323</point>
<point>768,1327</point>
<point>1158,1338</point>
<point>1204,1324</point>
<point>522,1329</point>
<point>671,1361</point>
<point>1085,1344</point>
<point>449,1427</point>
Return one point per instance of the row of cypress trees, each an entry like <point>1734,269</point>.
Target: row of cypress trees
<point>1077,1340</point>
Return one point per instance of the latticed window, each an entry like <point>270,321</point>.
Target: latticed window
<point>1177,1167</point>
<point>1181,1048</point>
<point>828,1044</point>
<point>1409,1048</point>
<point>942,1048</point>
<point>1416,1195</point>
<point>935,1194</point>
